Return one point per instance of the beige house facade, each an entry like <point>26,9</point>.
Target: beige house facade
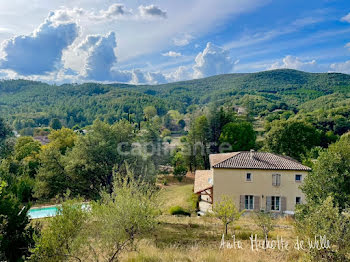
<point>255,181</point>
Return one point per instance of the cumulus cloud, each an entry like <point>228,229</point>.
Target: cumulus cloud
<point>182,40</point>
<point>41,51</point>
<point>180,74</point>
<point>101,63</point>
<point>114,11</point>
<point>151,11</point>
<point>346,18</point>
<point>341,67</point>
<point>101,56</point>
<point>63,16</point>
<point>213,60</point>
<point>172,54</point>
<point>292,62</point>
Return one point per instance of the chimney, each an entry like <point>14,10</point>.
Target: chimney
<point>251,153</point>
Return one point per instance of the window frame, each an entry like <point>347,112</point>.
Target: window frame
<point>250,177</point>
<point>274,203</point>
<point>298,175</point>
<point>276,178</point>
<point>249,202</point>
<point>296,200</point>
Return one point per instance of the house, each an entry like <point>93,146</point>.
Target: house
<point>255,180</point>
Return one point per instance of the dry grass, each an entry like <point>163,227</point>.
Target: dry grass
<point>198,238</point>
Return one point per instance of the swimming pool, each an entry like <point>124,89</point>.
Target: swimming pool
<point>50,211</point>
<point>41,212</point>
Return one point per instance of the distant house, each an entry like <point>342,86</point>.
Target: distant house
<point>44,140</point>
<point>255,180</point>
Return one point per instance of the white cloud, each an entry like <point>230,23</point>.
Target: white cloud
<point>180,74</point>
<point>182,40</point>
<point>101,63</point>
<point>41,51</point>
<point>172,54</point>
<point>64,15</point>
<point>347,45</point>
<point>292,62</point>
<point>114,11</point>
<point>213,60</point>
<point>152,11</point>
<point>101,56</point>
<point>346,18</point>
<point>341,67</point>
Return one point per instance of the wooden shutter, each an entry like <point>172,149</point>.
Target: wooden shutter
<point>283,204</point>
<point>242,203</point>
<point>278,182</point>
<point>273,179</point>
<point>268,203</point>
<point>256,203</point>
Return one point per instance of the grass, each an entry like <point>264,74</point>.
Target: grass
<point>176,194</point>
<point>198,238</point>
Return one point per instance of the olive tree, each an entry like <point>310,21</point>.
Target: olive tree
<point>122,217</point>
<point>226,211</point>
<point>265,221</point>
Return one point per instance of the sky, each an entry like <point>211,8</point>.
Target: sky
<point>160,41</point>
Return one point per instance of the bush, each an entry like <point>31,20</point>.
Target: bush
<point>180,172</point>
<point>178,211</point>
<point>194,199</point>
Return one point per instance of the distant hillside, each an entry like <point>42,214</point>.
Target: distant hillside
<point>29,104</point>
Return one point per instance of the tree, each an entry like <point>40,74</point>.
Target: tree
<point>16,234</point>
<point>123,216</point>
<point>324,219</point>
<point>55,124</point>
<point>265,221</point>
<point>62,139</point>
<point>51,179</point>
<point>178,162</point>
<point>64,237</point>
<point>201,134</point>
<point>292,138</point>
<point>150,112</point>
<point>5,133</point>
<point>26,153</point>
<point>226,211</point>
<point>240,136</point>
<point>331,175</point>
<point>90,163</point>
<point>217,120</point>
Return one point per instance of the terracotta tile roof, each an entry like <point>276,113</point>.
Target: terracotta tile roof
<point>261,160</point>
<point>217,158</point>
<point>203,180</point>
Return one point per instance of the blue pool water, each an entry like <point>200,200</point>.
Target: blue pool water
<point>42,212</point>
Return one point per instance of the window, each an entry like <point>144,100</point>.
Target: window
<point>276,179</point>
<point>298,200</point>
<point>275,203</point>
<point>248,177</point>
<point>298,178</point>
<point>249,202</point>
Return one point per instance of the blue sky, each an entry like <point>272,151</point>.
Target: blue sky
<point>163,41</point>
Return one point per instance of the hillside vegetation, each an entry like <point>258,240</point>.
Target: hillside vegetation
<point>28,104</point>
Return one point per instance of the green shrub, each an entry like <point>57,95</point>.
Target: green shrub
<point>194,200</point>
<point>178,211</point>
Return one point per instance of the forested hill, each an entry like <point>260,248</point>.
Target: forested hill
<point>29,104</point>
